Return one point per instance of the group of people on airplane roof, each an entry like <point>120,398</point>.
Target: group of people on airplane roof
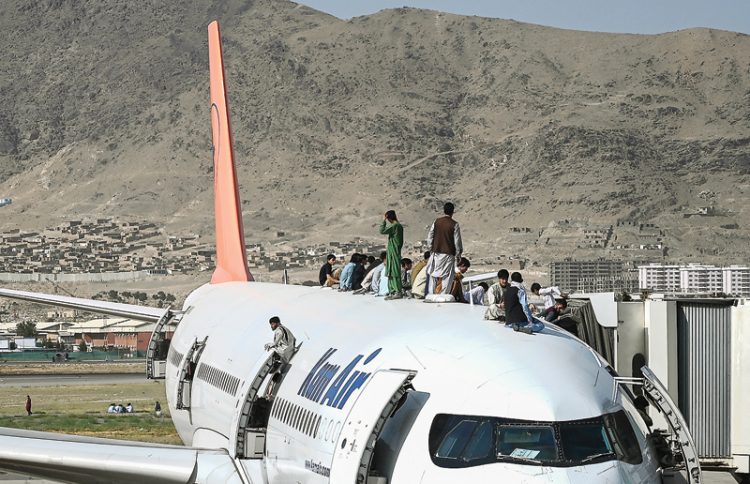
<point>438,276</point>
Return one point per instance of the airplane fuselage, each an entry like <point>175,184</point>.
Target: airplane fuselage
<point>349,348</point>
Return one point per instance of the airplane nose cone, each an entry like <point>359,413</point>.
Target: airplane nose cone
<point>601,473</point>
<point>611,472</point>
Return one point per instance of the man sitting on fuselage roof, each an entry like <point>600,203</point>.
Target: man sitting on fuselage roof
<point>494,297</point>
<point>325,276</point>
<point>457,290</point>
<point>517,312</point>
<point>371,282</point>
<point>345,282</point>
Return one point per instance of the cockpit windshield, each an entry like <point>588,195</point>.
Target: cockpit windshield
<point>466,441</point>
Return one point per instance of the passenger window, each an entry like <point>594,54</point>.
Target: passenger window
<point>455,441</point>
<point>317,427</point>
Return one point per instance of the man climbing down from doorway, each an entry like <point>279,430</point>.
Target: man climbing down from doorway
<point>395,231</point>
<point>283,348</point>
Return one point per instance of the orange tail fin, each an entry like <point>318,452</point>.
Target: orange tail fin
<point>231,261</point>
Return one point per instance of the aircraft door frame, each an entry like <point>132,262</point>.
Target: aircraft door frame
<point>355,444</point>
<point>169,317</point>
<point>187,373</point>
<point>241,422</point>
<point>658,395</point>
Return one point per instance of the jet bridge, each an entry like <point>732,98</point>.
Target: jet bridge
<point>699,348</point>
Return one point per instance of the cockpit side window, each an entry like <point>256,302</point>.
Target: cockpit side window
<point>624,438</point>
<point>468,441</point>
<point>465,441</point>
<point>581,440</point>
<point>481,445</point>
<point>457,439</point>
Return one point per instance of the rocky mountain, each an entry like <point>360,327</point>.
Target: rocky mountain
<point>534,130</point>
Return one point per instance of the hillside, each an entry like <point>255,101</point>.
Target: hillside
<point>105,113</point>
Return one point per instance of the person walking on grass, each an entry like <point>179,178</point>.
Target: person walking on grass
<point>395,232</point>
<point>28,405</point>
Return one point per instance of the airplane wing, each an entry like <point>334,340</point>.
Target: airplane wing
<point>130,311</point>
<point>70,458</point>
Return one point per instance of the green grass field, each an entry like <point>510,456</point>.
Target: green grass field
<point>81,410</point>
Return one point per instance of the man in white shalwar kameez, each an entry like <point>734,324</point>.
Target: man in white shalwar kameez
<point>283,348</point>
<point>446,247</point>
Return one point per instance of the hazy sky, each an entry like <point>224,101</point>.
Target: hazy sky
<point>632,16</point>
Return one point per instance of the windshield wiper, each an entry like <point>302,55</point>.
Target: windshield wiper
<point>595,456</point>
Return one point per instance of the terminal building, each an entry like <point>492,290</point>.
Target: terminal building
<point>101,333</point>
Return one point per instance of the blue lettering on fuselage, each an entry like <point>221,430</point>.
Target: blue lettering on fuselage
<point>327,384</point>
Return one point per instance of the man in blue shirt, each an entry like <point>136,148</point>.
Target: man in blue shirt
<point>517,312</point>
<point>345,282</point>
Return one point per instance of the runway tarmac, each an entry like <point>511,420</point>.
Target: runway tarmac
<point>709,477</point>
<point>47,380</point>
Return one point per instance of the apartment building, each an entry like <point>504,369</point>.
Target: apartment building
<point>695,278</point>
<point>659,277</point>
<point>588,275</point>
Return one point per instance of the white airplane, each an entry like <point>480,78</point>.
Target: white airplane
<point>377,391</point>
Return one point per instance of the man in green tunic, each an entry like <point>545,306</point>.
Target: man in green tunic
<point>395,232</point>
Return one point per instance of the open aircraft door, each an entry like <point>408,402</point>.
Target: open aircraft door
<point>356,442</point>
<point>683,441</point>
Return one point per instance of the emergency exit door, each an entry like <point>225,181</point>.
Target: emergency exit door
<point>356,442</point>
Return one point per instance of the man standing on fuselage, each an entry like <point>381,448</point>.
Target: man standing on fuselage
<point>395,232</point>
<point>446,247</point>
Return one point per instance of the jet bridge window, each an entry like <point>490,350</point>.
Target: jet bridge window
<point>465,441</point>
